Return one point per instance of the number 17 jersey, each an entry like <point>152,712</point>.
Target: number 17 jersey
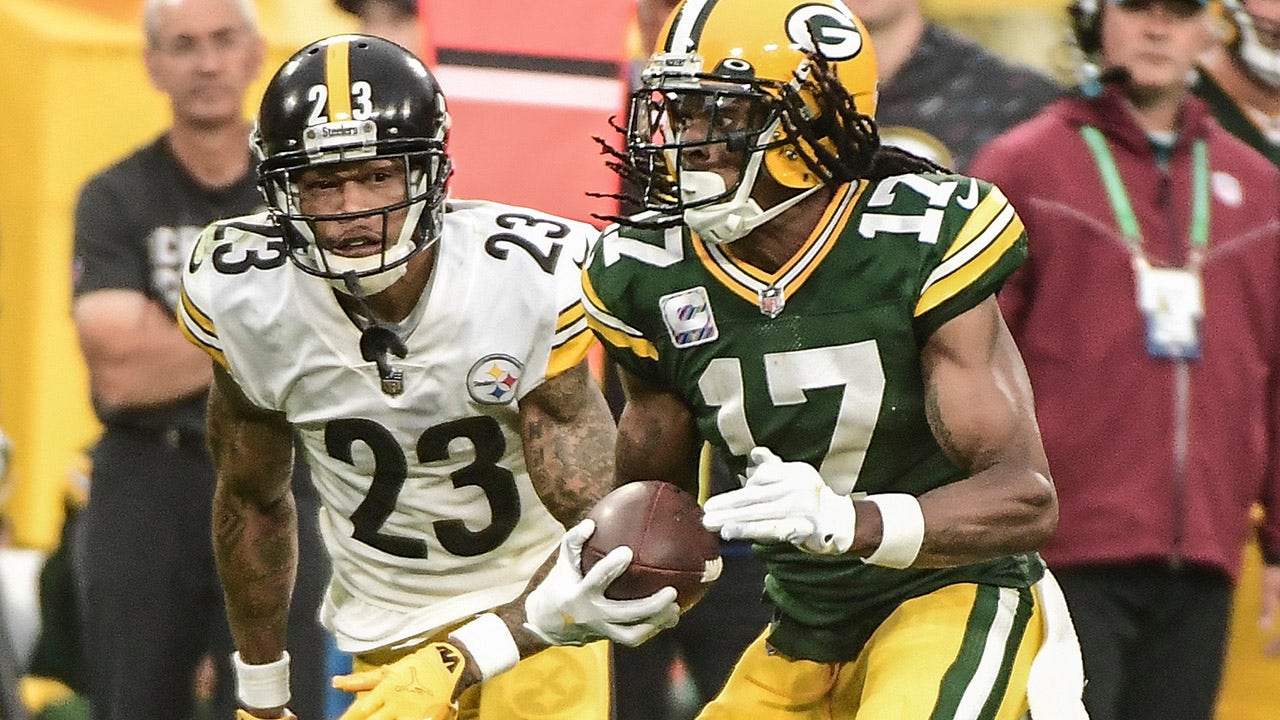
<point>820,362</point>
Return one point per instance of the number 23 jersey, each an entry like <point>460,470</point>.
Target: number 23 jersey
<point>428,510</point>
<point>819,361</point>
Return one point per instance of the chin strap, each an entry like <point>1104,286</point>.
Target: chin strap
<point>377,340</point>
<point>734,218</point>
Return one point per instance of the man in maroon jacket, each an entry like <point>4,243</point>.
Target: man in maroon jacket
<point>1148,313</point>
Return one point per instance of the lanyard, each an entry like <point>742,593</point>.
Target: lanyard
<point>1119,198</point>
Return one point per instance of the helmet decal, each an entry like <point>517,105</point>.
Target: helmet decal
<point>835,33</point>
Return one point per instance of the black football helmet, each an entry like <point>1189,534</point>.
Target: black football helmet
<point>349,98</point>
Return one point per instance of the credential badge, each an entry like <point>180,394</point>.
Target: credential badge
<point>493,378</point>
<point>688,317</point>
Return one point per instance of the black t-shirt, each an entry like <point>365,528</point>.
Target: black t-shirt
<point>135,224</point>
<point>960,94</point>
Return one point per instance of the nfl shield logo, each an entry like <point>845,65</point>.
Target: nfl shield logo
<point>688,317</point>
<point>772,301</point>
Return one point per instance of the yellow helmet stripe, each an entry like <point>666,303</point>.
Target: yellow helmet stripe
<point>686,27</point>
<point>337,78</point>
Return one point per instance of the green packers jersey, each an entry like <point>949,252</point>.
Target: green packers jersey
<point>820,362</point>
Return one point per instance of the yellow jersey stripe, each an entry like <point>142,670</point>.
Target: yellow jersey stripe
<point>981,217</point>
<point>569,353</point>
<point>609,328</point>
<point>210,350</point>
<point>198,316</point>
<point>722,277</point>
<point>337,73</point>
<point>569,316</point>
<point>637,346</point>
<point>964,275</point>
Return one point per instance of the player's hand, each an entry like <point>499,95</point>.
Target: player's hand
<point>242,714</point>
<point>569,608</point>
<point>419,686</point>
<point>783,502</point>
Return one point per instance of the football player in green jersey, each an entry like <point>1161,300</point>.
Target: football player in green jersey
<point>823,311</point>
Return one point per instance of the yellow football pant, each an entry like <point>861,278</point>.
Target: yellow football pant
<point>958,653</point>
<point>559,683</point>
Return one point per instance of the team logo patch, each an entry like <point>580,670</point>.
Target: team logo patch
<point>688,317</point>
<point>493,378</point>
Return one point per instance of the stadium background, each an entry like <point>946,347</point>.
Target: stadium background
<point>76,98</point>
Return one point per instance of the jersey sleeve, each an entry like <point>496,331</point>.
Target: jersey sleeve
<point>977,250</point>
<point>606,278</point>
<point>573,339</point>
<point>195,302</point>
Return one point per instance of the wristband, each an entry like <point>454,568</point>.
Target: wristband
<point>489,642</point>
<point>902,531</point>
<point>262,686</point>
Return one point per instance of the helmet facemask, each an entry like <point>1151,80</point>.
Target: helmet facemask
<point>680,113</point>
<point>423,175</point>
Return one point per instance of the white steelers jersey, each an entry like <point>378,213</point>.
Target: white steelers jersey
<point>428,510</point>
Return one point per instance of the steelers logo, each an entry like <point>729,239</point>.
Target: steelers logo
<point>493,379</point>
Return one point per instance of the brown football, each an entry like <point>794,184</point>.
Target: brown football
<point>662,525</point>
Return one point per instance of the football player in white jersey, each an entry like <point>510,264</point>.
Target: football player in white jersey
<point>430,355</point>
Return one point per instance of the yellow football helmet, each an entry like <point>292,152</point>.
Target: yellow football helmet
<point>743,73</point>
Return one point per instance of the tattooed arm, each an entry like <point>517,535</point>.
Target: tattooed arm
<point>568,437</point>
<point>979,405</point>
<point>255,524</point>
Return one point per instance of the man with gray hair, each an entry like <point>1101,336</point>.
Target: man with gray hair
<point>154,608</point>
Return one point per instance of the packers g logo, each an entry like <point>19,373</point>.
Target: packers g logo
<point>834,32</point>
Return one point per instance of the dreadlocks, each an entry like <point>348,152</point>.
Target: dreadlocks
<point>839,145</point>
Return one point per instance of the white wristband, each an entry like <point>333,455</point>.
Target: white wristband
<point>262,686</point>
<point>490,644</point>
<point>902,531</point>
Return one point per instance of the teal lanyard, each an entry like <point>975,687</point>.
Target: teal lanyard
<point>1119,198</point>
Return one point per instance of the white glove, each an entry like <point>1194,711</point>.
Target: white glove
<point>568,608</point>
<point>783,502</point>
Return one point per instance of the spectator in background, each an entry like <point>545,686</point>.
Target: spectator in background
<point>154,607</point>
<point>394,20</point>
<point>941,95</point>
<point>1240,78</point>
<point>1148,313</point>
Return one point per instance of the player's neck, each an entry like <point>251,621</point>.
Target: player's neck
<point>773,244</point>
<point>895,42</point>
<point>396,302</point>
<point>215,156</point>
<point>1240,86</point>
